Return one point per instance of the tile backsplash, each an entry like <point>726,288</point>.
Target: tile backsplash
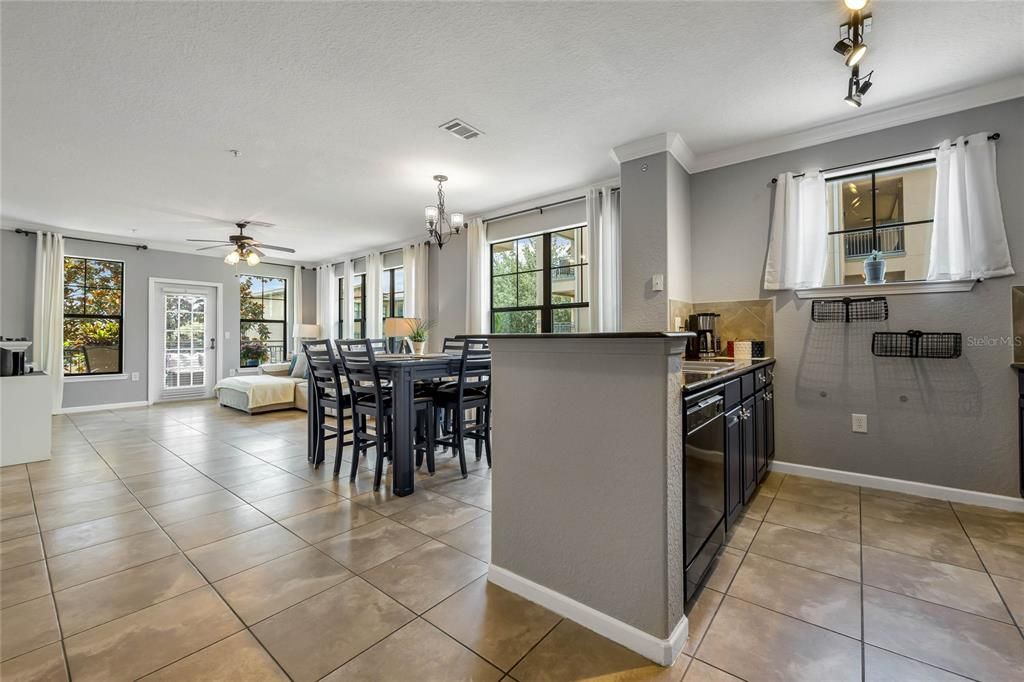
<point>743,321</point>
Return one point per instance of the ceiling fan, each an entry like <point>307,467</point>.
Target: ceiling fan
<point>243,246</point>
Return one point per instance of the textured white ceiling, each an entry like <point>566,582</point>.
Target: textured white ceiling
<point>116,116</point>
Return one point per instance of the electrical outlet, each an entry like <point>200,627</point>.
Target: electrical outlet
<point>232,372</point>
<point>658,283</point>
<point>860,423</point>
<point>135,376</point>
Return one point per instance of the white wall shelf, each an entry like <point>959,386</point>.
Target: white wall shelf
<point>887,289</point>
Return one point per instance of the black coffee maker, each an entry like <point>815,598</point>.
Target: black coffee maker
<point>12,356</point>
<point>704,344</point>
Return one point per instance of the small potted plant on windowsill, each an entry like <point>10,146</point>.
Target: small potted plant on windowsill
<point>874,268</point>
<point>252,353</point>
<point>418,336</point>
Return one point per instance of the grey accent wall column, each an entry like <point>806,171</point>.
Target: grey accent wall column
<point>655,203</point>
<point>587,499</point>
<point>644,214</point>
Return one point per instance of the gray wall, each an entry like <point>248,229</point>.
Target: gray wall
<point>16,282</point>
<point>644,211</point>
<point>946,422</point>
<point>446,281</point>
<point>583,506</point>
<point>678,226</point>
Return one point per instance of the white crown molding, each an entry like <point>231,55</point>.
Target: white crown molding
<point>672,143</point>
<point>989,93</point>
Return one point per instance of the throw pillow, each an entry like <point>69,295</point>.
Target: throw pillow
<point>301,368</point>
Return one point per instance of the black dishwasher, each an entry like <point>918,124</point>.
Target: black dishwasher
<point>703,487</point>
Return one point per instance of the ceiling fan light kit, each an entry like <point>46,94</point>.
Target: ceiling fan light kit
<point>442,226</point>
<point>852,47</point>
<point>243,247</point>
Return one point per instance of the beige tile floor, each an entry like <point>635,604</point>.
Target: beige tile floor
<point>189,541</point>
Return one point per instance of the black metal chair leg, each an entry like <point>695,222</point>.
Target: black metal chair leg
<point>431,437</point>
<point>380,455</point>
<point>487,434</point>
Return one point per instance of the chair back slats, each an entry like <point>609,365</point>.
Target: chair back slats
<point>323,370</point>
<point>358,361</point>
<point>475,367</point>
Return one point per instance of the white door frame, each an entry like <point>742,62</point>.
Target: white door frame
<point>154,282</point>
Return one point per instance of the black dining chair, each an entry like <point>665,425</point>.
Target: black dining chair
<point>371,399</point>
<point>329,398</point>
<point>470,392</point>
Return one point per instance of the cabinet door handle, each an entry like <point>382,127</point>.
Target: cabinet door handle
<point>768,396</point>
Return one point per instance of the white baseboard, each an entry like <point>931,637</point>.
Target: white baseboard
<point>100,408</point>
<point>939,492</point>
<point>661,651</point>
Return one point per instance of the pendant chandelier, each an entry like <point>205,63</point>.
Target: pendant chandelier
<point>442,226</point>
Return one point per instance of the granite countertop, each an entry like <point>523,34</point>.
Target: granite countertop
<point>694,381</point>
<point>587,335</point>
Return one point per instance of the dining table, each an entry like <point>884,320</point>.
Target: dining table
<point>402,371</point>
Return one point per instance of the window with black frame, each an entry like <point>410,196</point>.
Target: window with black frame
<point>263,313</point>
<point>341,307</point>
<point>539,283</point>
<point>885,213</point>
<point>93,322</point>
<point>358,307</point>
<point>392,284</point>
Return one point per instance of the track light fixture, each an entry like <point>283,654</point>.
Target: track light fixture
<point>852,47</point>
<point>857,87</point>
<point>851,41</point>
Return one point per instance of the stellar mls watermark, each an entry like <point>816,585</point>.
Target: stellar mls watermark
<point>994,341</point>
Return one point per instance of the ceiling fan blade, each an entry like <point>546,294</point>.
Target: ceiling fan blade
<point>255,223</point>
<point>275,248</point>
<point>208,241</point>
<point>257,251</point>
<point>215,246</point>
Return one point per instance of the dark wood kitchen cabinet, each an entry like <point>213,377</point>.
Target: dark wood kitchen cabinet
<point>769,424</point>
<point>750,449</point>
<point>761,434</point>
<point>733,464</point>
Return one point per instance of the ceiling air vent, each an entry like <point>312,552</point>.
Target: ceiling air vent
<point>460,128</point>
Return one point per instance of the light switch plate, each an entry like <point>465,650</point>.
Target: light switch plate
<point>658,283</point>
<point>860,423</point>
<point>135,376</point>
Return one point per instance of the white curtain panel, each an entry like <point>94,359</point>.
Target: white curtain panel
<point>48,314</point>
<point>415,262</point>
<point>326,301</point>
<point>798,244</point>
<point>604,254</point>
<point>968,236</point>
<point>478,290</point>
<point>371,296</point>
<point>296,306</point>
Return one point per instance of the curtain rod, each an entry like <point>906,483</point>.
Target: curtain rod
<point>540,208</point>
<point>993,136</point>
<point>83,239</point>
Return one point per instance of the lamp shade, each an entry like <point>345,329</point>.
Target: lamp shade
<point>306,331</point>
<point>397,327</point>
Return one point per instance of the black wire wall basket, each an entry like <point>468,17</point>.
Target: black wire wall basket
<point>916,344</point>
<point>849,309</point>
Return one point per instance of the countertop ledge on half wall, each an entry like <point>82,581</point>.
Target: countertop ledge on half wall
<point>585,335</point>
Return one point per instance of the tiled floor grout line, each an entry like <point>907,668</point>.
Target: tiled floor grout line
<point>274,521</point>
<point>1002,599</point>
<point>49,579</point>
<point>860,554</point>
<point>207,585</point>
<point>725,592</point>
